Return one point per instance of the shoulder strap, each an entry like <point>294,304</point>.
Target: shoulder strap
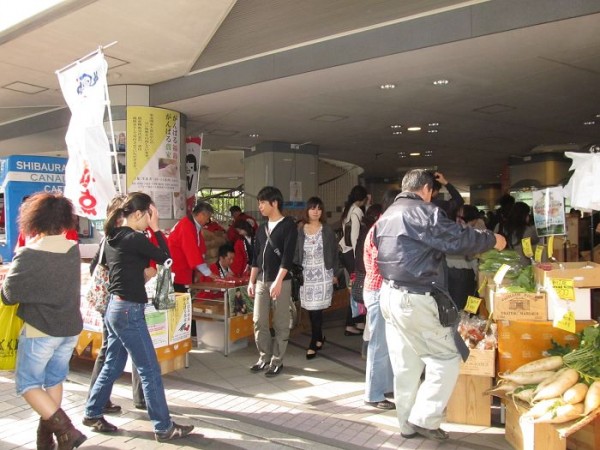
<point>275,249</point>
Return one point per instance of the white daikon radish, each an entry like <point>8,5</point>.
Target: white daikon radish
<point>567,378</point>
<point>562,414</point>
<point>502,388</point>
<point>549,363</point>
<point>527,377</point>
<point>575,394</point>
<point>525,395</point>
<point>592,398</point>
<point>541,408</point>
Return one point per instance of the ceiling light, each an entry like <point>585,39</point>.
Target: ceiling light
<point>253,135</point>
<point>597,116</point>
<point>432,131</point>
<point>387,86</point>
<point>433,124</point>
<point>414,128</point>
<point>401,155</point>
<point>441,82</point>
<point>396,132</point>
<point>415,154</point>
<point>396,126</point>
<point>589,122</point>
<point>428,153</point>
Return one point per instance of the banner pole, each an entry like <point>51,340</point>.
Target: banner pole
<point>83,58</point>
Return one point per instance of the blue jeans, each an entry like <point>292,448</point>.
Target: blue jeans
<point>379,376</point>
<point>42,362</point>
<point>128,333</point>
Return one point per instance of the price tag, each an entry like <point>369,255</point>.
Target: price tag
<point>526,245</point>
<point>550,246</point>
<point>539,249</point>
<point>500,273</point>
<point>564,288</point>
<point>472,304</point>
<point>481,289</point>
<point>567,322</point>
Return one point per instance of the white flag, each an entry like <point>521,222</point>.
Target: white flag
<point>88,179</point>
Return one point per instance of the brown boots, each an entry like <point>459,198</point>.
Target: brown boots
<point>67,435</point>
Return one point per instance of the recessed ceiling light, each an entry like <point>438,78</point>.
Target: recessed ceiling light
<point>396,126</point>
<point>428,153</point>
<point>401,155</point>
<point>414,128</point>
<point>589,122</point>
<point>396,132</point>
<point>441,82</point>
<point>432,131</point>
<point>415,154</point>
<point>598,116</point>
<point>253,135</point>
<point>387,86</point>
<point>433,124</point>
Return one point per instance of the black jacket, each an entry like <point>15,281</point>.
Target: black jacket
<point>284,236</point>
<point>413,236</point>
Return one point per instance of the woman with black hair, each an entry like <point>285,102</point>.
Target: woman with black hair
<point>351,221</point>
<point>517,227</point>
<point>127,255</point>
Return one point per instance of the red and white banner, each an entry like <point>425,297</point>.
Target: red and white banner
<point>88,179</point>
<point>193,151</point>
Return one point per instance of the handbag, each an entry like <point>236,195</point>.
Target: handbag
<point>357,286</point>
<point>10,328</point>
<point>447,310</point>
<point>97,294</point>
<point>164,297</point>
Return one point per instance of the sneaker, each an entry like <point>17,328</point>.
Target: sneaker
<point>436,435</point>
<point>141,406</point>
<point>273,370</point>
<point>99,425</point>
<point>176,432</point>
<point>383,404</point>
<point>111,408</point>
<point>258,367</point>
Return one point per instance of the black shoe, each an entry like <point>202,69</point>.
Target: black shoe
<point>274,370</point>
<point>409,435</point>
<point>311,355</point>
<point>100,425</point>
<point>319,347</point>
<point>111,408</point>
<point>258,367</point>
<point>353,333</point>
<point>141,406</point>
<point>176,432</point>
<point>436,435</point>
<point>383,404</point>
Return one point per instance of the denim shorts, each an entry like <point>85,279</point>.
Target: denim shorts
<point>42,362</point>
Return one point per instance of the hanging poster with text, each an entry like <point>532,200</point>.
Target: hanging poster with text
<point>549,211</point>
<point>153,152</point>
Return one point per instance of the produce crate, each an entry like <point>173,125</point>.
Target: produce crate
<point>480,363</point>
<point>468,404</point>
<point>584,274</point>
<point>519,305</point>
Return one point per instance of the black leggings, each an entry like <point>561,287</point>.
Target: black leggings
<point>316,326</point>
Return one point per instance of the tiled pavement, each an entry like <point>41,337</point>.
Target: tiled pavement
<point>314,404</point>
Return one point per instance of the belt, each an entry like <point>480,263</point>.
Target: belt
<point>395,285</point>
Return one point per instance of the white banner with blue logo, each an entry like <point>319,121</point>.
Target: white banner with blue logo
<point>88,179</point>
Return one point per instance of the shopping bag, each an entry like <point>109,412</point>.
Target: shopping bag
<point>10,328</point>
<point>97,294</point>
<point>164,297</point>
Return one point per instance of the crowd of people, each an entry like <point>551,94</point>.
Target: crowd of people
<point>410,259</point>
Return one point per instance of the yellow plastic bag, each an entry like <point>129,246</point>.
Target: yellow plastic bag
<point>10,327</point>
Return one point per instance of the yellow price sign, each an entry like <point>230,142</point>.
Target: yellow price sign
<point>472,304</point>
<point>567,322</point>
<point>500,274</point>
<point>526,245</point>
<point>550,246</point>
<point>539,249</point>
<point>564,288</point>
<point>482,286</point>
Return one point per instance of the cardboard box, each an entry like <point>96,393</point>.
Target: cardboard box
<point>582,306</point>
<point>584,274</point>
<point>525,341</point>
<point>480,363</point>
<point>586,255</point>
<point>519,305</point>
<point>468,403</point>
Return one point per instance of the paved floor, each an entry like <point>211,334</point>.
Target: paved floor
<point>314,404</point>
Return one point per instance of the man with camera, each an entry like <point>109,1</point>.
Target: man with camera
<point>412,238</point>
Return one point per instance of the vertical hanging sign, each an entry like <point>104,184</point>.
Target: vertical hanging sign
<point>193,149</point>
<point>88,179</point>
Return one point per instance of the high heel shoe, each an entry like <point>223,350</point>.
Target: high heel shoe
<point>311,355</point>
<point>319,347</point>
<point>352,332</point>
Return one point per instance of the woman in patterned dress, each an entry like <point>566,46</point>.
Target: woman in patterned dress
<point>316,252</point>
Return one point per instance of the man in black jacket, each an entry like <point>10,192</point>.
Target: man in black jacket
<point>270,282</point>
<point>412,238</point>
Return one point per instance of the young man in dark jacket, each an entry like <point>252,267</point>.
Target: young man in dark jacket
<point>270,283</point>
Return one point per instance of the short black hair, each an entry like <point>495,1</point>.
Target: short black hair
<point>235,208</point>
<point>271,194</point>
<point>224,249</point>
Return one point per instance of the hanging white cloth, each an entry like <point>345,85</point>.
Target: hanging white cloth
<point>583,189</point>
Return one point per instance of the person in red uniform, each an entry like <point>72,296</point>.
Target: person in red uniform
<point>243,248</point>
<point>221,268</point>
<point>187,247</point>
<point>239,216</point>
